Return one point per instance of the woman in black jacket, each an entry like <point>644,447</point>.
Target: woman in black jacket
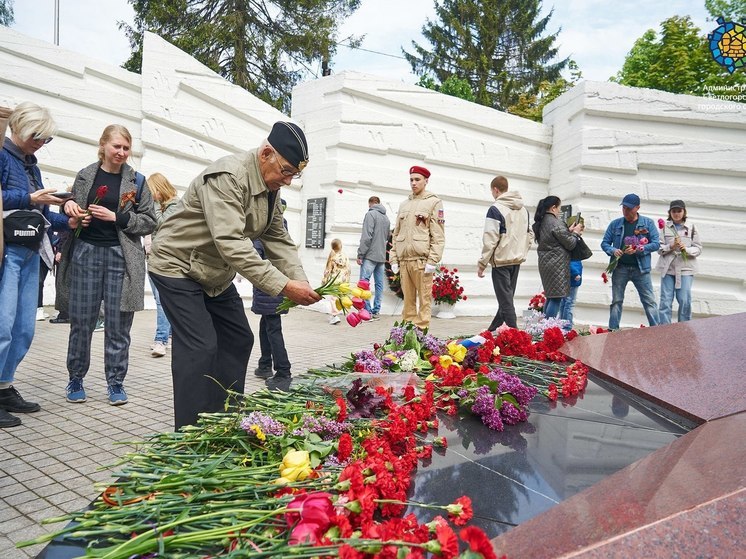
<point>556,241</point>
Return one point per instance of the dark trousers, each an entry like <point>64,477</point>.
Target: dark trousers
<point>272,344</point>
<point>504,281</point>
<point>212,342</point>
<point>43,271</point>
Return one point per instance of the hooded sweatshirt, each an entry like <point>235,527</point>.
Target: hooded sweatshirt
<point>507,233</point>
<point>375,234</point>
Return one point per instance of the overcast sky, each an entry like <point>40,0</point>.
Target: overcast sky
<point>596,34</point>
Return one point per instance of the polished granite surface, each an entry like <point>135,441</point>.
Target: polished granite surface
<point>673,365</point>
<point>529,468</point>
<point>691,491</point>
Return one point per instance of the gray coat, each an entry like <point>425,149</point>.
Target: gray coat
<point>142,222</point>
<point>375,235</point>
<point>555,243</point>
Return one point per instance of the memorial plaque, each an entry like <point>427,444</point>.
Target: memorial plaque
<point>315,222</point>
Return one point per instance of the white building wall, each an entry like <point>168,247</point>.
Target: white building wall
<point>610,140</point>
<point>365,133</point>
<point>598,142</point>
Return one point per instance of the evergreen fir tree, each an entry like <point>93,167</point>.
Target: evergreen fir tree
<point>264,46</point>
<point>497,46</point>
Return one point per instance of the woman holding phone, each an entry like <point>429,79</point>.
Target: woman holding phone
<point>24,198</point>
<point>105,261</point>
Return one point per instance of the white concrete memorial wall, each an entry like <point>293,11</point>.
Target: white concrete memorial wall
<point>598,142</point>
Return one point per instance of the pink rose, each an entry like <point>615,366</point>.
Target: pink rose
<point>661,223</point>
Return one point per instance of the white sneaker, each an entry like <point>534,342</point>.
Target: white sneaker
<point>334,320</point>
<point>159,349</point>
<point>40,314</point>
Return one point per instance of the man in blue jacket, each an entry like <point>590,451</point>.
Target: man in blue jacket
<point>634,259</point>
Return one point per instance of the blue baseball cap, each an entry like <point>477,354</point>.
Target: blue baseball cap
<point>630,201</point>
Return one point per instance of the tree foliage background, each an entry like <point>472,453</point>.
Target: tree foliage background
<point>678,59</point>
<point>499,47</point>
<point>264,46</point>
<point>6,12</point>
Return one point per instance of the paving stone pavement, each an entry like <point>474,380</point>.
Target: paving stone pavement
<point>49,464</point>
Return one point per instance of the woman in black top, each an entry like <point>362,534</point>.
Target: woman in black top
<point>106,261</point>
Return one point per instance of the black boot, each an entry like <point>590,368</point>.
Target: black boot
<point>262,372</point>
<point>7,420</point>
<point>11,400</point>
<point>279,382</point>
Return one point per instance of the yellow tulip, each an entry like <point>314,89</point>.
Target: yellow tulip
<point>338,304</point>
<point>344,287</point>
<point>346,302</point>
<point>366,294</point>
<point>445,361</point>
<point>296,465</point>
<point>356,292</point>
<point>457,351</point>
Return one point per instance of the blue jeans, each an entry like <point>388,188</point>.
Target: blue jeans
<point>375,269</point>
<point>162,325</point>
<point>567,306</point>
<point>683,297</point>
<point>19,290</point>
<point>621,276</point>
<point>552,307</point>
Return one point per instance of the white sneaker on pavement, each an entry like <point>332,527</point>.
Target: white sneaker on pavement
<point>159,349</point>
<point>334,320</point>
<point>40,314</point>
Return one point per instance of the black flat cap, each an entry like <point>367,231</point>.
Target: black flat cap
<point>290,142</point>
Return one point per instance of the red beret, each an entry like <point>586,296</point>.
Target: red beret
<point>420,170</point>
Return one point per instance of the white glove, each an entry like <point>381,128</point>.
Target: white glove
<point>429,268</point>
<point>395,267</point>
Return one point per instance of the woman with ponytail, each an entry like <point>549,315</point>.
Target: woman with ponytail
<point>556,241</point>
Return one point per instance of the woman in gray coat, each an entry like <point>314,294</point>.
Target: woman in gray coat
<point>556,241</point>
<point>105,261</point>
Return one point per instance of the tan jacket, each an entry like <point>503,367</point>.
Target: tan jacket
<point>209,238</point>
<point>420,238</point>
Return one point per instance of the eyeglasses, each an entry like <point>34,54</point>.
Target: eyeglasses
<point>39,137</point>
<point>284,171</point>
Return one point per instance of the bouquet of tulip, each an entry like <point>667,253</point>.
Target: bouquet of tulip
<point>346,297</point>
<point>100,193</point>
<point>446,287</point>
<point>662,226</point>
<point>636,242</point>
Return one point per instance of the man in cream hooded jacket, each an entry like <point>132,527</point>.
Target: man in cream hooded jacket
<point>505,242</point>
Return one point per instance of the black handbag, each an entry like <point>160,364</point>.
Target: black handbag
<point>581,251</point>
<point>23,227</point>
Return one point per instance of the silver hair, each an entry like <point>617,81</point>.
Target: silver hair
<point>29,119</point>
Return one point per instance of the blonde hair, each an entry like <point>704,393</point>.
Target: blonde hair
<point>29,119</point>
<point>161,188</point>
<point>336,247</point>
<point>108,132</point>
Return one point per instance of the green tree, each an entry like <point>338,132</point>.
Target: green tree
<point>730,10</point>
<point>264,46</point>
<point>453,86</point>
<point>497,46</point>
<point>6,12</point>
<point>532,105</point>
<point>678,61</point>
